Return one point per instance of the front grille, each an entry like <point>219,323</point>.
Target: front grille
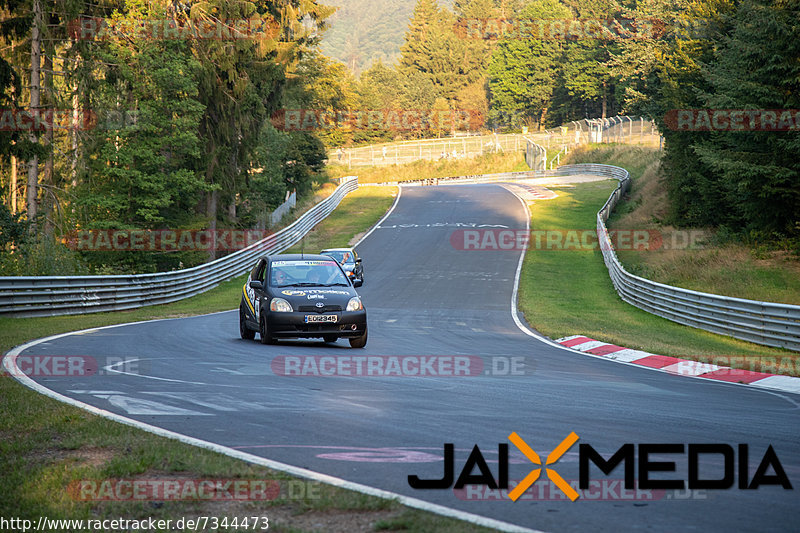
<point>314,309</point>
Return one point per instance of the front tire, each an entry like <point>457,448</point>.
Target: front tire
<point>263,331</point>
<point>359,342</point>
<point>245,332</point>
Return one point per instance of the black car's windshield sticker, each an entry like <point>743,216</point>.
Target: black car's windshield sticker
<point>310,292</point>
<point>303,263</point>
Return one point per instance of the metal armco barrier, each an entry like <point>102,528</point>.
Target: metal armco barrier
<point>24,296</point>
<point>767,323</point>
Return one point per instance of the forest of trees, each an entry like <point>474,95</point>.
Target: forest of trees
<point>174,129</point>
<point>184,133</point>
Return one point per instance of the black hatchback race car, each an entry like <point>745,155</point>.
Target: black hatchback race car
<point>294,295</point>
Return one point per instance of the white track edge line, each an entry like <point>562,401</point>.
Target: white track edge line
<point>378,223</point>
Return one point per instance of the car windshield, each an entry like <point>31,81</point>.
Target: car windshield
<point>341,256</point>
<point>306,273</point>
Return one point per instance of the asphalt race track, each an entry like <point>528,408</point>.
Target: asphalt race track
<point>196,376</point>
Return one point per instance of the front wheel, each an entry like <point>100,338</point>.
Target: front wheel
<point>245,332</point>
<point>359,342</point>
<point>263,331</point>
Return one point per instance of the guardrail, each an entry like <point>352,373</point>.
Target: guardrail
<point>767,323</point>
<point>25,296</point>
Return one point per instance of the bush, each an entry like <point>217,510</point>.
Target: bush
<point>42,256</point>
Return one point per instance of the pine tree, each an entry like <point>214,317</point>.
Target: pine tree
<point>523,71</point>
<point>756,67</point>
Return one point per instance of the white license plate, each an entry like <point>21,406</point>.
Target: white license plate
<point>321,318</point>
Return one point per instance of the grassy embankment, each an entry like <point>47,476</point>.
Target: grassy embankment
<point>567,292</point>
<point>486,164</point>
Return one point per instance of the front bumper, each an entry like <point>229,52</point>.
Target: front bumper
<point>293,325</point>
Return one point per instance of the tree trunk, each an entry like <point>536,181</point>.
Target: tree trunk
<point>542,118</point>
<point>13,185</point>
<point>36,55</point>
<point>211,211</point>
<point>605,101</point>
<point>232,210</point>
<point>211,207</point>
<point>48,199</point>
<point>76,118</point>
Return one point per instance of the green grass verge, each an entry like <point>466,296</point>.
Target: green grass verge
<point>692,258</point>
<point>48,446</point>
<point>569,292</point>
<point>485,164</point>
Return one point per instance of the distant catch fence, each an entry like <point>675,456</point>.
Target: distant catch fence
<point>553,142</point>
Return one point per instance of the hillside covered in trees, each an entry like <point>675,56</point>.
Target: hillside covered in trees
<point>363,32</point>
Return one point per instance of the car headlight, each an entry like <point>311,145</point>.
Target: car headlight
<point>279,305</point>
<point>354,304</point>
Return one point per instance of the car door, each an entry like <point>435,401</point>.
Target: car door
<point>255,295</point>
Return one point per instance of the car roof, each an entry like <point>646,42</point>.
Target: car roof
<point>298,257</point>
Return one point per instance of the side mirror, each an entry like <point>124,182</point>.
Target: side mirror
<point>255,284</point>
<point>358,283</point>
<point>358,260</point>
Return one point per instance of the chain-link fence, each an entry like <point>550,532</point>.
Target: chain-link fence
<point>554,142</point>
